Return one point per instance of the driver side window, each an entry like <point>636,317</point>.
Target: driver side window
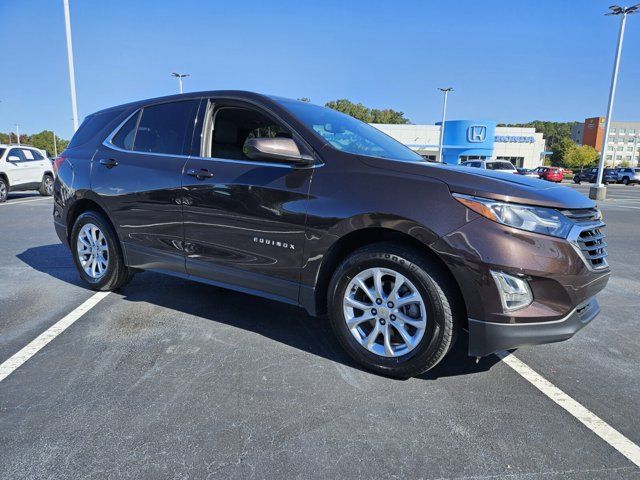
<point>231,127</point>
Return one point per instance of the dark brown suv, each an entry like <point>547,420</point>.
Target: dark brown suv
<point>304,205</point>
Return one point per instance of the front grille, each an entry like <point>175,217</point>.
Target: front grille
<point>582,215</point>
<point>587,235</point>
<point>592,245</point>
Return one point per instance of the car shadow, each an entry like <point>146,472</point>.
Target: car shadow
<point>279,322</point>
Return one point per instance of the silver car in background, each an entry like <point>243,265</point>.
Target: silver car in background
<point>628,175</point>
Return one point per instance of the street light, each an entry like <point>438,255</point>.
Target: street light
<point>72,75</point>
<point>180,76</point>
<point>599,191</point>
<point>446,91</point>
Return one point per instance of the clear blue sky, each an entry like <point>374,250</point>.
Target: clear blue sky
<point>508,61</point>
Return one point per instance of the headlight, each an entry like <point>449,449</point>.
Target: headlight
<point>533,219</point>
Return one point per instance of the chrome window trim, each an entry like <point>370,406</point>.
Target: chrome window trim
<point>211,100</point>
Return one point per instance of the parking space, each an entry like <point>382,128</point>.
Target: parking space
<point>170,378</point>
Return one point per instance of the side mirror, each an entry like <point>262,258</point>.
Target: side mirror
<point>13,158</point>
<point>278,149</point>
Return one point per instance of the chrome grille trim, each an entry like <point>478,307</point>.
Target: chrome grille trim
<point>588,239</point>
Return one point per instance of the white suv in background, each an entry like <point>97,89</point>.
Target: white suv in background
<point>499,165</point>
<point>24,168</point>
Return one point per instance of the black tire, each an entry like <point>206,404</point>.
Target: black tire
<point>443,308</point>
<point>116,273</point>
<point>46,186</point>
<point>576,179</point>
<point>4,190</point>
<point>625,180</point>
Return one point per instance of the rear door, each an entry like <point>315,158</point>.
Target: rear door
<point>244,219</point>
<point>32,167</point>
<point>137,174</point>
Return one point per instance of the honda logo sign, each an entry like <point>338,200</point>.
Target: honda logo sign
<point>476,133</point>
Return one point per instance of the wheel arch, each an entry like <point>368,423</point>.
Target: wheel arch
<point>5,177</point>
<point>357,239</point>
<point>84,205</point>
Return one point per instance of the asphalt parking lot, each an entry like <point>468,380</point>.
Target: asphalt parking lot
<point>173,379</point>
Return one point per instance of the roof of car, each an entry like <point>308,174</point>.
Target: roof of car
<point>207,93</point>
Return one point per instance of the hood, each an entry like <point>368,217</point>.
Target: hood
<point>508,187</point>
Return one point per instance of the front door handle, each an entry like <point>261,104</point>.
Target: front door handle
<point>109,162</point>
<point>200,174</point>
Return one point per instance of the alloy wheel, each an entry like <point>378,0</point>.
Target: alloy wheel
<point>93,251</point>
<point>3,191</point>
<point>48,185</point>
<point>385,312</point>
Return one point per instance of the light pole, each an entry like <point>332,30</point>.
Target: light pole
<point>72,75</point>
<point>18,133</point>
<point>55,146</point>
<point>446,91</point>
<point>180,76</point>
<point>599,191</point>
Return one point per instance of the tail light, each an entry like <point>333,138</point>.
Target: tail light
<point>57,162</point>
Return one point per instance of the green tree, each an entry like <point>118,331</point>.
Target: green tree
<point>388,116</point>
<point>580,157</point>
<point>44,141</point>
<point>361,112</point>
<point>560,150</point>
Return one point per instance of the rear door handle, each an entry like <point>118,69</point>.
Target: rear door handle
<point>200,174</point>
<point>109,162</point>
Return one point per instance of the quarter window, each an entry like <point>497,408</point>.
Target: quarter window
<point>124,137</point>
<point>91,126</point>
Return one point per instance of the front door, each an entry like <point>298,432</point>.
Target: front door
<point>16,168</point>
<point>137,174</point>
<point>244,219</point>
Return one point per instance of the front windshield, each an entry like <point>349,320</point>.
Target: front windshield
<point>349,134</point>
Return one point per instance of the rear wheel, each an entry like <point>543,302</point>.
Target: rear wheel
<point>392,310</point>
<point>4,190</point>
<point>97,253</point>
<point>625,180</point>
<point>46,187</point>
<point>576,179</point>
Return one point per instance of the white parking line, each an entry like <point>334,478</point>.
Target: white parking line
<point>6,204</point>
<point>598,426</point>
<point>8,366</point>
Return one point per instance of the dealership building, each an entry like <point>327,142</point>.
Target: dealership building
<point>472,140</point>
<point>623,144</point>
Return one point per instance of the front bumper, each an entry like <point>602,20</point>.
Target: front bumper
<point>487,337</point>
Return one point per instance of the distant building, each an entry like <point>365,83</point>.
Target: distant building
<point>623,144</point>
<point>472,140</point>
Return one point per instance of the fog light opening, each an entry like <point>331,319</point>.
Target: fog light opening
<point>514,291</point>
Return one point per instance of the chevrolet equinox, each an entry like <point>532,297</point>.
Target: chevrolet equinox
<point>304,205</point>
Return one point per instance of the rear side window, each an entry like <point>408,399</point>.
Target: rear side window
<point>166,128</point>
<point>91,126</point>
<point>36,155</point>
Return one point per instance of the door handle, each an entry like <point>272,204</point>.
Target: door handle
<point>109,162</point>
<point>200,174</point>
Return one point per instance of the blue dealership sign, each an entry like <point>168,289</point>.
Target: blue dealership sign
<point>468,138</point>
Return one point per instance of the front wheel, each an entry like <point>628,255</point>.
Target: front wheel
<point>625,180</point>
<point>393,310</point>
<point>576,179</point>
<point>4,190</point>
<point>97,253</point>
<point>46,187</point>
